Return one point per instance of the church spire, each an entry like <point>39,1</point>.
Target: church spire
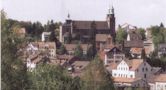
<point>111,10</point>
<point>68,16</point>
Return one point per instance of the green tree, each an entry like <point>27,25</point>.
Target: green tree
<point>141,31</point>
<point>120,35</point>
<point>157,39</point>
<point>143,54</point>
<point>78,51</point>
<point>91,52</point>
<point>49,77</point>
<point>14,75</point>
<point>62,50</point>
<point>96,77</point>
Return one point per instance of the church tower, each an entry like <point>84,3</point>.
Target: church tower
<point>111,22</point>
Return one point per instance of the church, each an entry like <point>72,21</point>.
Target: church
<point>74,31</point>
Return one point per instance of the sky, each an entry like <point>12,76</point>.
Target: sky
<point>140,13</point>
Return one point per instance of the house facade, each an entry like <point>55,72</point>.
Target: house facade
<point>135,72</point>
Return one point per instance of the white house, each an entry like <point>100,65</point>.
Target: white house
<point>158,82</point>
<point>135,72</point>
<point>45,36</point>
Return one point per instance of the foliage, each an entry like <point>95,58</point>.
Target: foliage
<point>121,35</point>
<point>155,61</point>
<point>78,51</point>
<point>143,54</point>
<point>141,31</point>
<point>62,50</point>
<point>49,77</point>
<point>91,52</point>
<point>158,35</point>
<point>96,77</point>
<point>14,75</point>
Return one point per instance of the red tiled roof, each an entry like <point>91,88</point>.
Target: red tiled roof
<point>134,63</point>
<point>70,47</point>
<point>125,80</point>
<point>136,50</point>
<point>161,78</point>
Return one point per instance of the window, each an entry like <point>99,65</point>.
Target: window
<point>131,76</point>
<point>137,70</point>
<point>142,69</point>
<point>146,69</point>
<point>115,74</point>
<point>144,75</point>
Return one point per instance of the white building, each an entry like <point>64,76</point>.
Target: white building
<point>158,82</point>
<point>135,72</point>
<point>45,36</point>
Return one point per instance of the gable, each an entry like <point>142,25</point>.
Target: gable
<point>122,64</point>
<point>114,50</point>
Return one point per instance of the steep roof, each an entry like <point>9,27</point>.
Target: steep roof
<point>136,43</point>
<point>50,45</point>
<point>134,63</point>
<point>88,24</point>
<point>160,78</point>
<point>70,47</point>
<point>47,44</point>
<point>125,80</point>
<point>102,37</point>
<point>136,50</point>
<point>134,35</point>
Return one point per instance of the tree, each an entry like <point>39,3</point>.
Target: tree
<point>14,75</point>
<point>121,35</point>
<point>78,51</point>
<point>91,52</point>
<point>157,39</point>
<point>141,31</point>
<point>96,77</point>
<point>161,25</point>
<point>143,54</point>
<point>62,50</point>
<point>49,77</point>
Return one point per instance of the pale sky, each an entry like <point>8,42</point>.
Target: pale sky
<point>141,13</point>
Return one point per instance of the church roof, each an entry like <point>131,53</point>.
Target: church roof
<point>88,24</point>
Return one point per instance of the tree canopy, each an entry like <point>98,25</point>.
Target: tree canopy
<point>78,51</point>
<point>14,75</point>
<point>96,77</point>
<point>121,35</point>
